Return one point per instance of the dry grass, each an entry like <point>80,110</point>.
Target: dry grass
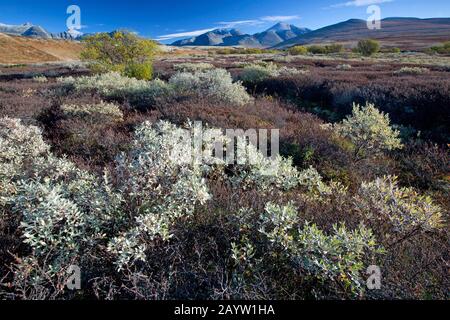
<point>26,50</point>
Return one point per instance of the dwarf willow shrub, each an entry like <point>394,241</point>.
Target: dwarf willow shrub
<point>343,67</point>
<point>337,258</point>
<point>40,79</point>
<point>18,144</point>
<point>61,207</point>
<point>412,71</point>
<point>261,172</point>
<point>216,85</point>
<point>404,208</point>
<point>316,188</point>
<point>369,130</point>
<point>51,223</point>
<point>113,85</point>
<point>101,112</point>
<point>162,183</point>
<point>193,67</point>
<point>258,72</point>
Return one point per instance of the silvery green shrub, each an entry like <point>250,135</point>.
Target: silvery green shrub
<point>411,71</point>
<point>162,184</point>
<point>40,79</point>
<point>405,209</point>
<point>369,130</point>
<point>193,67</point>
<point>100,112</point>
<point>255,73</point>
<point>61,207</point>
<point>335,258</point>
<point>115,86</point>
<point>215,85</point>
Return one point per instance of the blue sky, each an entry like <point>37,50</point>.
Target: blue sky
<point>171,19</point>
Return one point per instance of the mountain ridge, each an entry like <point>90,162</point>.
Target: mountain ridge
<point>393,29</point>
<point>233,37</point>
<point>30,30</point>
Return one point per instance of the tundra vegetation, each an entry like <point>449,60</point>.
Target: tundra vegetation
<point>93,173</point>
<point>120,51</point>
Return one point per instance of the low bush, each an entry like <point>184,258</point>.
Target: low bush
<point>140,71</point>
<point>443,49</point>
<point>368,47</point>
<point>411,71</point>
<point>327,49</point>
<point>298,50</point>
<point>255,73</point>
<point>369,130</point>
<point>114,86</point>
<point>344,67</point>
<point>216,85</point>
<point>102,112</point>
<point>193,67</point>
<point>403,208</point>
<point>40,79</point>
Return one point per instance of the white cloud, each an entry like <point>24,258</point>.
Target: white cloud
<point>359,3</point>
<point>229,24</point>
<point>279,18</point>
<point>184,34</point>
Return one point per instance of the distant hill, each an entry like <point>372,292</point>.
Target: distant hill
<point>32,31</point>
<point>20,49</point>
<point>411,33</point>
<point>233,37</point>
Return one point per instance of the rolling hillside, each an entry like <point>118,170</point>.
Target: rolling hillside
<point>407,33</point>
<point>18,49</point>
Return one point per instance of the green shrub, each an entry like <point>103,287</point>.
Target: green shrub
<point>142,71</point>
<point>327,49</point>
<point>316,49</point>
<point>335,261</point>
<point>443,49</point>
<point>370,131</point>
<point>344,67</point>
<point>112,85</point>
<point>102,112</point>
<point>40,79</point>
<point>368,47</point>
<point>254,73</point>
<point>122,52</point>
<point>412,71</point>
<point>215,84</point>
<point>298,50</point>
<point>193,67</point>
<point>404,208</point>
<point>393,50</point>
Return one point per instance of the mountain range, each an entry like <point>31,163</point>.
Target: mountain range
<point>277,34</point>
<point>32,31</point>
<point>404,32</point>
